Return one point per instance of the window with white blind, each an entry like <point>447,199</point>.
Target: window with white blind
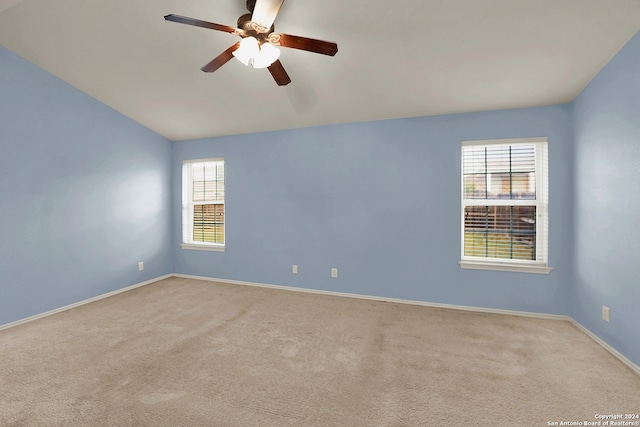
<point>203,204</point>
<point>505,205</point>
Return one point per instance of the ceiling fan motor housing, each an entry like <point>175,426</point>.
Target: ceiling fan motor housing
<point>252,29</point>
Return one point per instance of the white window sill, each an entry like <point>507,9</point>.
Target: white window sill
<point>504,266</point>
<point>197,247</point>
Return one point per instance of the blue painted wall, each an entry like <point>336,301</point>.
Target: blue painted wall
<point>607,203</point>
<point>378,200</point>
<point>84,195</point>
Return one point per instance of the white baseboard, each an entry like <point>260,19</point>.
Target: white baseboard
<point>384,299</point>
<point>590,334</point>
<point>78,304</point>
<point>606,346</point>
<point>613,351</point>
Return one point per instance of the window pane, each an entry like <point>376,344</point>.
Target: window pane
<point>208,181</point>
<point>506,232</point>
<point>499,172</point>
<point>208,223</point>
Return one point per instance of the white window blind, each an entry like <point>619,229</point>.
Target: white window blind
<point>504,203</point>
<point>203,209</point>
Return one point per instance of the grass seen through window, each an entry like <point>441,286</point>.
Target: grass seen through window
<point>498,245</point>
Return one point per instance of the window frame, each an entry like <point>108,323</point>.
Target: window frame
<point>541,203</point>
<point>188,204</point>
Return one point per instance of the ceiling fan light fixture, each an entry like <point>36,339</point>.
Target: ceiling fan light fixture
<point>268,55</point>
<point>248,50</point>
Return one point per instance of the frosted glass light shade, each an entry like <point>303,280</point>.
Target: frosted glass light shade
<point>268,55</point>
<point>248,49</point>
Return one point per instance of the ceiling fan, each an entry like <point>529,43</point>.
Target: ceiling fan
<point>259,41</point>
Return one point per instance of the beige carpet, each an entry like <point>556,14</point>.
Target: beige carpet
<point>191,353</point>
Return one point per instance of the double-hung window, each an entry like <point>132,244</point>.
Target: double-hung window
<point>505,205</point>
<point>203,204</point>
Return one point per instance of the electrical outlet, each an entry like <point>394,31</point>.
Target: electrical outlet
<point>140,266</point>
<point>294,269</point>
<point>605,313</point>
<point>334,272</point>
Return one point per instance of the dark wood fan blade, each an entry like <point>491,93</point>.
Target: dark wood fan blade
<point>199,23</point>
<point>311,45</point>
<point>279,74</point>
<point>221,59</point>
<point>265,12</point>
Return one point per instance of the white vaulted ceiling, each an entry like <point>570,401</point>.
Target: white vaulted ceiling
<point>401,58</point>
